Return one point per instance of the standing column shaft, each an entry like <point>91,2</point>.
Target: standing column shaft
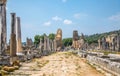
<point>2,27</point>
<point>45,42</point>
<point>18,35</point>
<point>13,35</point>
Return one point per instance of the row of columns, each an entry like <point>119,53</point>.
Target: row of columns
<point>15,37</point>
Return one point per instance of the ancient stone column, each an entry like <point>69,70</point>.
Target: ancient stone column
<point>75,39</point>
<point>29,42</point>
<point>13,35</point>
<point>58,39</point>
<point>81,42</point>
<point>48,45</point>
<point>99,43</point>
<point>18,36</point>
<point>54,45</point>
<point>118,43</point>
<point>113,44</point>
<point>45,42</point>
<point>3,26</point>
<point>103,43</point>
<point>51,45</point>
<point>40,45</point>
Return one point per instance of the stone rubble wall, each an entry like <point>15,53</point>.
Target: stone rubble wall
<point>4,61</point>
<point>105,63</point>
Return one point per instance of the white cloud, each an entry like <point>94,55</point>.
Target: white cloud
<point>115,17</point>
<point>80,15</point>
<point>67,22</point>
<point>56,18</point>
<point>47,23</point>
<point>64,1</point>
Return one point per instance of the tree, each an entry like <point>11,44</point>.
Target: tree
<point>67,41</point>
<point>42,37</point>
<point>36,39</point>
<point>51,36</point>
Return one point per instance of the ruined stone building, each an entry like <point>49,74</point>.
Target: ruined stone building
<point>111,42</point>
<point>78,43</point>
<point>29,42</point>
<point>75,39</point>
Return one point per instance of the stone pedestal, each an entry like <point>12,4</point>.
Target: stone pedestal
<point>13,59</point>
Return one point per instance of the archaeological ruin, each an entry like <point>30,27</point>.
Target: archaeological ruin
<point>78,43</point>
<point>58,39</point>
<point>32,56</point>
<point>111,42</point>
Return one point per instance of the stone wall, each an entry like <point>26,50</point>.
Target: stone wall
<point>105,63</point>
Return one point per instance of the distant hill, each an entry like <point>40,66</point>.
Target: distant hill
<point>94,38</point>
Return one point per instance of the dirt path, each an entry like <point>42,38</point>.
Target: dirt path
<point>59,64</point>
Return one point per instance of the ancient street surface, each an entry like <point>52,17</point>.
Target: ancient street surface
<point>58,64</point>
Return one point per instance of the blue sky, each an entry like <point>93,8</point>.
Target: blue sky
<point>46,16</point>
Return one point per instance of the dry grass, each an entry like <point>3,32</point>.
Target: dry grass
<point>42,63</point>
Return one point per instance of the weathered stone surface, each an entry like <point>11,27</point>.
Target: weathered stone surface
<point>13,45</point>
<point>78,43</point>
<point>13,36</point>
<point>45,42</point>
<point>111,42</point>
<point>18,36</point>
<point>5,60</point>
<point>41,45</point>
<point>105,63</point>
<point>81,42</point>
<point>29,42</point>
<point>58,39</point>
<point>54,45</point>
<point>75,39</point>
<point>3,26</point>
<point>47,46</point>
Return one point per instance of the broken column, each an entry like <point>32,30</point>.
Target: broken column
<point>40,45</point>
<point>18,36</point>
<point>104,43</point>
<point>58,39</point>
<point>48,45</point>
<point>75,39</point>
<point>99,44</point>
<point>81,42</point>
<point>45,42</point>
<point>13,35</point>
<point>54,45</point>
<point>29,42</point>
<point>3,27</point>
<point>51,45</point>
<point>118,43</point>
